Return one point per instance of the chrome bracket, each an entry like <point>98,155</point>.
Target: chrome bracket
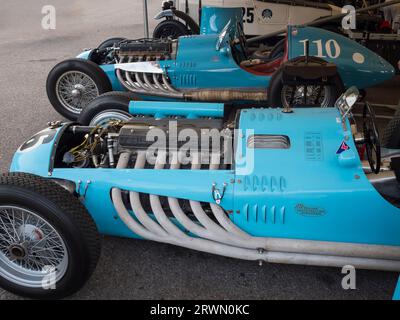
<point>78,189</point>
<point>217,194</point>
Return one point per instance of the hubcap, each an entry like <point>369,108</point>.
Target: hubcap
<point>17,251</point>
<point>30,248</point>
<point>75,90</point>
<point>103,118</point>
<point>78,90</point>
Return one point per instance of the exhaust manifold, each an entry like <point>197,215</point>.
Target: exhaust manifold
<point>222,237</point>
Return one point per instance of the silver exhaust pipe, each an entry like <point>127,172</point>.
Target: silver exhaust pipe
<point>228,240</point>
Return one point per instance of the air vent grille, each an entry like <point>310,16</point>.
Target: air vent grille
<point>266,141</point>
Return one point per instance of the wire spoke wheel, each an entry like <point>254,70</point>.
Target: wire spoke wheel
<point>30,248</point>
<point>302,95</point>
<point>75,90</point>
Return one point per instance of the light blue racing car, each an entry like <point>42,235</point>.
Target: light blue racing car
<point>218,66</point>
<point>268,184</point>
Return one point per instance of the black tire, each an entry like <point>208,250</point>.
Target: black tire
<point>109,101</point>
<point>391,140</point>
<point>391,134</point>
<point>110,42</point>
<point>68,217</point>
<point>333,91</point>
<point>89,68</point>
<point>101,55</point>
<point>170,29</point>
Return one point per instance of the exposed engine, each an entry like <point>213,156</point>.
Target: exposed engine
<point>135,50</point>
<point>151,144</point>
<point>150,82</point>
<point>143,49</point>
<point>97,147</point>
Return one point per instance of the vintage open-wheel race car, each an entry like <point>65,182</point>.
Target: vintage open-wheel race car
<point>263,184</point>
<point>217,66</point>
<point>260,17</point>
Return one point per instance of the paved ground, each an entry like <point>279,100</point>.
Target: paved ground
<point>133,269</point>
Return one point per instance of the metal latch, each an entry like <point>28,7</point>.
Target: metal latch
<point>217,194</point>
<point>78,189</point>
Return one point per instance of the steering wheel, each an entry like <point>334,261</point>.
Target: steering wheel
<point>242,39</point>
<point>371,139</point>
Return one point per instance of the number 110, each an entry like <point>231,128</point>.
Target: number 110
<point>332,48</point>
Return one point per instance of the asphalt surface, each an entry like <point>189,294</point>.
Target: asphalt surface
<point>134,269</point>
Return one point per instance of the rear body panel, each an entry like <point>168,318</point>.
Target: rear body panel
<point>357,65</point>
<point>308,191</point>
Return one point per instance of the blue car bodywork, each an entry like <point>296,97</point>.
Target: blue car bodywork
<point>357,65</point>
<point>280,185</point>
<point>396,295</point>
<point>296,191</point>
<point>303,192</point>
<point>201,64</point>
<point>218,69</point>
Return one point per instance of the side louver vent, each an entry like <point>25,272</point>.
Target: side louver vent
<point>267,141</point>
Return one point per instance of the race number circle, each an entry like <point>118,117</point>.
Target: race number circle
<point>358,58</point>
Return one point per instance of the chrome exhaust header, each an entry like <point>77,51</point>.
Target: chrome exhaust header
<point>221,236</point>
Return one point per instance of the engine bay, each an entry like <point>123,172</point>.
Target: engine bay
<point>134,50</point>
<point>213,144</point>
<point>98,147</point>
